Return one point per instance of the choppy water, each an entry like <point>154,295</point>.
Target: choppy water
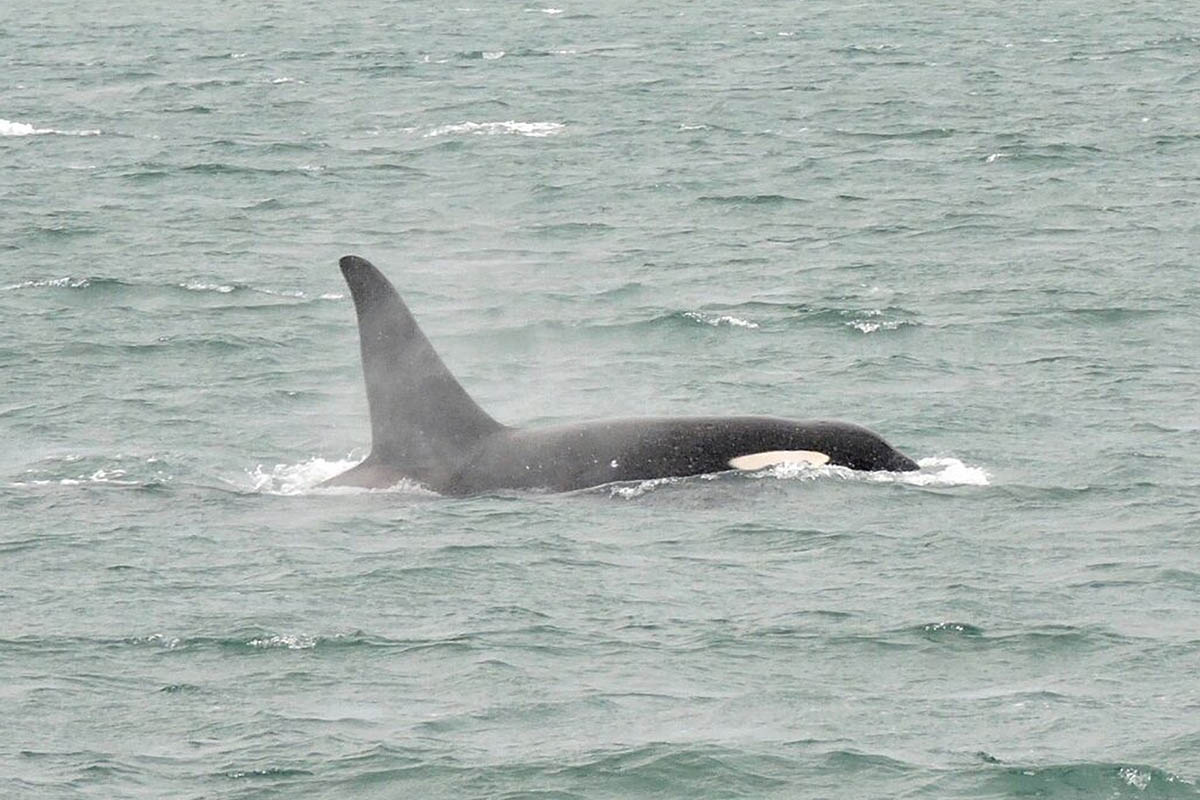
<point>971,227</point>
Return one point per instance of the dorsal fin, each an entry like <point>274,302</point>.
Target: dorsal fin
<point>422,420</point>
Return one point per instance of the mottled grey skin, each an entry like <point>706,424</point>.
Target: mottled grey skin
<point>426,428</point>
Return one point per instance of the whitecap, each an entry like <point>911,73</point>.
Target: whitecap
<point>10,128</point>
<point>226,288</point>
<point>725,319</point>
<point>870,322</point>
<point>493,55</point>
<point>111,477</point>
<point>57,283</point>
<point>871,327</point>
<point>162,640</point>
<point>223,288</point>
<point>288,641</point>
<point>531,129</point>
<point>298,294</point>
<point>1136,778</point>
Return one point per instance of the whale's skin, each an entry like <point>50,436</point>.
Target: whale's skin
<point>426,428</point>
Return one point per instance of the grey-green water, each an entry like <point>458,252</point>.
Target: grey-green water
<point>971,227</point>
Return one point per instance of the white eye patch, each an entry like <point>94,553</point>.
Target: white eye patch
<point>770,458</point>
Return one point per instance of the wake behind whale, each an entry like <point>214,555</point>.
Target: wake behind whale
<point>426,428</point>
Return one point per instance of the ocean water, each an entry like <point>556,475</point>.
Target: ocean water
<point>970,226</point>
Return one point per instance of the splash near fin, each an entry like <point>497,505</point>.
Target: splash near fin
<point>423,423</point>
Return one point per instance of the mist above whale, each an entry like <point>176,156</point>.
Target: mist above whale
<point>426,428</point>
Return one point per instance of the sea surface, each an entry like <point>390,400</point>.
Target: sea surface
<point>972,227</point>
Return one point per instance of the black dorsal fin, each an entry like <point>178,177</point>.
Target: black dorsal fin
<point>422,420</point>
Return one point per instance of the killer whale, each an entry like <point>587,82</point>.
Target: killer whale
<point>426,428</point>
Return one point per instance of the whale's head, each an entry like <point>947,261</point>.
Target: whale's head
<point>860,448</point>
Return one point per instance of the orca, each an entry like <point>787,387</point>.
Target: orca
<point>426,428</point>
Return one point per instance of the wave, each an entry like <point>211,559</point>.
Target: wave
<point>230,288</point>
<point>66,282</point>
<point>10,128</point>
<point>632,490</point>
<point>114,284</point>
<point>530,129</point>
<point>122,470</point>
<point>876,319</point>
<point>686,768</point>
<point>1044,639</point>
<point>246,640</point>
<point>752,199</point>
<point>717,321</point>
<point>914,134</point>
<point>1109,780</point>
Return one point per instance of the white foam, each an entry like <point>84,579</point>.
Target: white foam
<point>872,323</point>
<point>10,128</point>
<point>298,294</point>
<point>725,319</point>
<point>531,129</point>
<point>191,286</point>
<point>1136,778</point>
<point>493,55</point>
<point>871,327</point>
<point>935,471</point>
<point>946,471</point>
<point>223,288</point>
<point>307,477</point>
<point>57,283</point>
<point>168,642</point>
<point>111,477</point>
<point>285,641</point>
<point>289,479</point>
<point>628,491</point>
